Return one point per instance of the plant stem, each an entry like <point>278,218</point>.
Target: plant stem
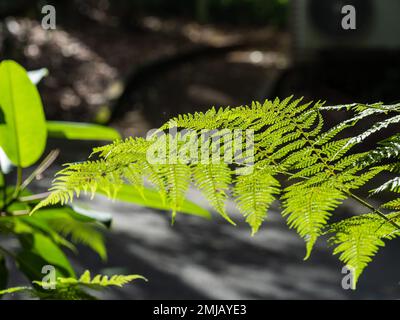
<point>20,213</point>
<point>18,183</point>
<point>43,166</point>
<point>359,200</point>
<point>34,197</point>
<point>375,210</point>
<point>20,186</point>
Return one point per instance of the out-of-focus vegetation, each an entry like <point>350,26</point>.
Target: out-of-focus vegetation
<point>235,11</point>
<point>231,11</point>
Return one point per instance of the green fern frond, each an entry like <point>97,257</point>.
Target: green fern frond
<point>392,205</point>
<point>176,178</point>
<point>72,288</point>
<point>290,140</point>
<point>359,238</point>
<point>97,281</point>
<point>375,128</point>
<point>80,232</point>
<point>309,210</point>
<point>213,180</point>
<point>387,149</point>
<point>254,194</point>
<point>391,185</point>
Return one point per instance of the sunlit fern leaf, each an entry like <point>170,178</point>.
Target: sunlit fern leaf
<point>176,182</point>
<point>72,288</point>
<point>393,204</point>
<point>375,128</point>
<point>388,149</point>
<point>100,280</point>
<point>391,185</point>
<point>359,238</point>
<point>213,181</point>
<point>134,174</point>
<point>308,210</point>
<point>85,177</point>
<point>254,194</point>
<point>80,232</point>
<point>291,139</point>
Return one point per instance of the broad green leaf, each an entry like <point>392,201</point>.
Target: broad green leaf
<point>151,198</point>
<point>25,224</point>
<point>81,131</point>
<point>86,209</point>
<point>38,251</point>
<point>23,136</point>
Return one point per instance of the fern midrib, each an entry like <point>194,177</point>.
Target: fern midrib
<point>332,171</point>
<point>175,188</point>
<point>219,208</point>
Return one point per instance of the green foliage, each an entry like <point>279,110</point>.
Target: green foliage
<point>73,288</point>
<point>43,238</point>
<point>272,12</point>
<point>359,238</point>
<point>81,228</point>
<point>298,159</point>
<point>21,105</point>
<point>254,194</point>
<point>80,131</point>
<point>151,198</point>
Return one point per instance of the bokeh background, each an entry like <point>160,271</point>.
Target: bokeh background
<point>133,64</point>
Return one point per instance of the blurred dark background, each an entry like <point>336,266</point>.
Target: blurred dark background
<point>135,63</point>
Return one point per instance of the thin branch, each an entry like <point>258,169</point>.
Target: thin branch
<point>20,186</point>
<point>20,213</point>
<point>34,197</point>
<point>375,210</point>
<point>46,163</point>
<point>359,200</point>
<point>18,183</point>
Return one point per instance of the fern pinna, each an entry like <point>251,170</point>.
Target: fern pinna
<point>72,288</point>
<point>294,158</point>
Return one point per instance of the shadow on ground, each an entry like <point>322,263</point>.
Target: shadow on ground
<point>199,259</point>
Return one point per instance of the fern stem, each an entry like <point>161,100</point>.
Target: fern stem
<point>359,200</point>
<point>351,195</point>
<point>375,210</point>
